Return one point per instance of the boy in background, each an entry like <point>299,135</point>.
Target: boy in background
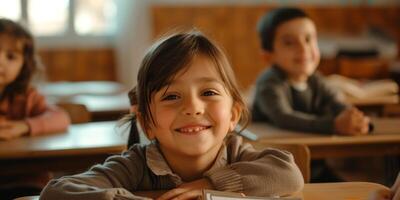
<point>290,94</point>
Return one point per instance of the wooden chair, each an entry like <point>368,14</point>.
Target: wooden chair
<point>301,155</point>
<point>77,112</point>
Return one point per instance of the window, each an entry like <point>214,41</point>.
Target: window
<point>45,21</point>
<point>95,17</point>
<point>10,9</point>
<point>69,22</point>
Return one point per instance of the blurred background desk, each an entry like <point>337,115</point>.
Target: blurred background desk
<point>65,89</point>
<point>77,149</point>
<point>105,100</point>
<point>104,108</point>
<point>385,140</point>
<point>386,106</point>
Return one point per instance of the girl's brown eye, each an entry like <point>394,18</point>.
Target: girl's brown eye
<point>288,43</point>
<point>209,93</point>
<point>308,38</point>
<point>11,56</point>
<point>170,97</point>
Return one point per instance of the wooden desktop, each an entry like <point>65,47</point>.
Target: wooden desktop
<point>76,149</point>
<point>105,100</point>
<point>311,191</point>
<point>384,140</point>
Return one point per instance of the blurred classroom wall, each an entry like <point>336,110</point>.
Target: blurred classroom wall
<point>230,22</point>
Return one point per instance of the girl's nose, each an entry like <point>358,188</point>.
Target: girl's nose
<point>193,113</point>
<point>2,59</point>
<point>193,106</point>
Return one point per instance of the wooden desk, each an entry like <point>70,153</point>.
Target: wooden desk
<point>385,140</point>
<point>105,100</point>
<point>311,191</point>
<point>77,149</point>
<point>381,108</point>
<point>64,89</point>
<point>375,101</point>
<point>340,191</point>
<point>104,108</point>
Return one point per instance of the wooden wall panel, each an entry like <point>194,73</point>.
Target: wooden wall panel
<point>79,64</point>
<point>234,28</point>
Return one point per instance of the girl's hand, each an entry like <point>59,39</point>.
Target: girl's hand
<point>190,190</point>
<point>352,122</point>
<point>12,129</point>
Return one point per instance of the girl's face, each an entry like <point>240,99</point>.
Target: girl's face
<point>296,49</point>
<point>11,60</point>
<point>194,112</point>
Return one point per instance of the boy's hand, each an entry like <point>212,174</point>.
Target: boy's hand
<point>190,190</point>
<point>351,122</point>
<point>12,129</point>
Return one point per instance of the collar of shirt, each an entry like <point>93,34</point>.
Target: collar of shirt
<point>301,87</point>
<point>158,165</point>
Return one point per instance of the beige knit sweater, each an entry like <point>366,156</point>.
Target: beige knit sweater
<point>238,168</point>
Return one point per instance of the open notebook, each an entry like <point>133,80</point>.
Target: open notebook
<point>384,91</point>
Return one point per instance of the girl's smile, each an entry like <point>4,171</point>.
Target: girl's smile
<point>192,129</point>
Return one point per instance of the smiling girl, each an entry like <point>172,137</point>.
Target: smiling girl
<point>188,104</point>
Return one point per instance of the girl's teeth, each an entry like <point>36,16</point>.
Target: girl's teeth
<point>190,130</point>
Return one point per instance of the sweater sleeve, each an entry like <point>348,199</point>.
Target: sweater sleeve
<point>112,180</point>
<point>44,118</point>
<point>273,101</point>
<point>257,173</point>
<point>333,102</point>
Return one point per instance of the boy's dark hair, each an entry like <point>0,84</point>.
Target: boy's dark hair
<point>268,24</point>
<point>169,56</point>
<point>17,34</point>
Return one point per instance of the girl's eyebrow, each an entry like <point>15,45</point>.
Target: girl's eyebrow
<point>198,80</point>
<point>13,49</point>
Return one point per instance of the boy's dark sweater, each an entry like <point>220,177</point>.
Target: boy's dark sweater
<point>311,110</point>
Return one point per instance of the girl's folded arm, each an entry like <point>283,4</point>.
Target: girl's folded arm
<point>52,120</point>
<point>115,179</point>
<point>42,117</point>
<point>270,172</point>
